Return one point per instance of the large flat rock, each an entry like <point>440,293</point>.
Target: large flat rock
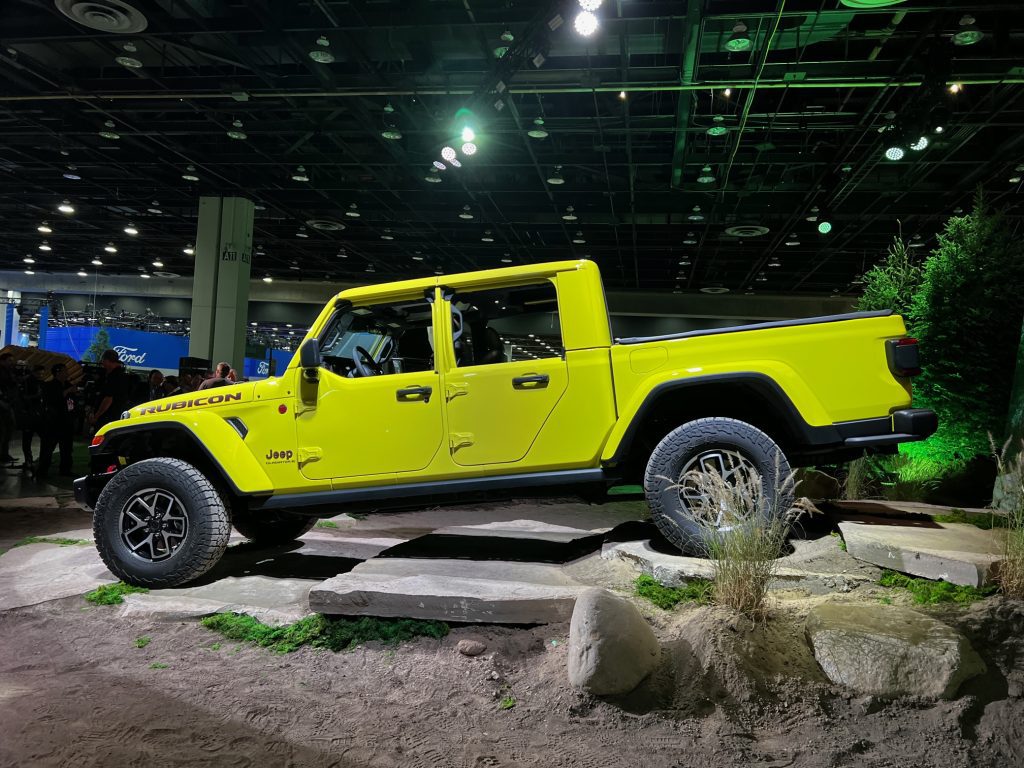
<point>36,573</point>
<point>818,566</point>
<point>954,552</point>
<point>450,590</point>
<point>534,530</point>
<point>271,600</point>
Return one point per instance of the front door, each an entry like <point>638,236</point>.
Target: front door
<point>509,373</point>
<point>377,406</point>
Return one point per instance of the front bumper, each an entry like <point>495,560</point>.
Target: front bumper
<point>905,426</point>
<point>88,488</point>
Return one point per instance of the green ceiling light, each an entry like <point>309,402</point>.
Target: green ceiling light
<point>706,176</point>
<point>739,40</point>
<point>433,176</point>
<point>236,131</point>
<point>824,226</point>
<point>300,174</point>
<point>695,215</point>
<point>556,177</point>
<point>468,134</point>
<point>538,131</point>
<point>920,144</point>
<point>391,134</point>
<point>718,129</point>
<point>507,36</point>
<point>868,5</point>
<point>322,53</point>
<point>968,34</point>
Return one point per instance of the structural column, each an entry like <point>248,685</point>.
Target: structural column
<point>220,289</point>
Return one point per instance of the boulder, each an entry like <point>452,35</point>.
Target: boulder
<point>611,647</point>
<point>471,647</point>
<point>890,651</point>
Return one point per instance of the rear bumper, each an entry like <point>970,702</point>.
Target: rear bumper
<point>905,426</point>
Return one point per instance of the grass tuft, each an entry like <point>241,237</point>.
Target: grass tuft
<point>326,524</point>
<point>142,642</point>
<point>159,665</point>
<point>320,632</point>
<point>61,540</point>
<point>1011,481</point>
<point>112,594</point>
<point>985,522</point>
<point>696,591</point>
<point>840,541</point>
<point>928,592</point>
<point>507,703</point>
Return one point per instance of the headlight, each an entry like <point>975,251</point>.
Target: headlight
<point>126,414</point>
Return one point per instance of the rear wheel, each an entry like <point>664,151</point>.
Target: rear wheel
<point>160,523</point>
<point>271,526</point>
<point>728,447</point>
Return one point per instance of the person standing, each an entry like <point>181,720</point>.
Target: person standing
<point>30,411</point>
<point>59,402</point>
<point>115,392</point>
<point>156,385</point>
<point>8,400</point>
<point>220,378</point>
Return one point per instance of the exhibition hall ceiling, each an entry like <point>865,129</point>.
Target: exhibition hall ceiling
<point>775,147</point>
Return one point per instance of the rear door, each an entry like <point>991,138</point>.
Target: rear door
<point>509,371</point>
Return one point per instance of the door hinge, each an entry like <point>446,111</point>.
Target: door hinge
<point>308,455</point>
<point>460,440</point>
<point>454,390</point>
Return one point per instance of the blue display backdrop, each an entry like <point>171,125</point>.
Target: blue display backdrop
<point>137,349</point>
<point>256,368</point>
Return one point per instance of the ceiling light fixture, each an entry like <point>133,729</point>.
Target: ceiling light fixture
<point>97,263</point>
<point>556,177</point>
<point>29,272</point>
<point>300,174</point>
<point>44,228</point>
<point>433,176</point>
<point>110,248</point>
<point>108,131</point>
<point>579,238</point>
<point>145,276</point>
<point>66,207</point>
<point>29,260</point>
<point>622,95</point>
<point>468,134</point>
<point>236,131</point>
<point>585,23</point>
<point>70,174</point>
<point>268,279</point>
<point>440,166</point>
<point>456,164</point>
<point>130,229</point>
<point>706,176</point>
<point>569,214</point>
<point>469,149</point>
<point>487,237</point>
<point>824,226</point>
<point>352,212</point>
<point>590,5</point>
<point>739,40</point>
<point>82,273</point>
<point>696,215</point>
<point>45,246</point>
<point>448,153</point>
<point>920,144</point>
<point>717,129</point>
<point>190,173</point>
<point>465,213</point>
<point>538,131</point>
<point>955,87</point>
<point>968,34</point>
<point>894,152</point>
<point>188,250</point>
<point>322,53</point>
<point>130,62</point>
<point>158,264</point>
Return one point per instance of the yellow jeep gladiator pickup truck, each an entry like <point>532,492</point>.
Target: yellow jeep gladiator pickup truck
<point>498,382</point>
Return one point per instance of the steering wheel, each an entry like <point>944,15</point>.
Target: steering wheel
<point>365,364</point>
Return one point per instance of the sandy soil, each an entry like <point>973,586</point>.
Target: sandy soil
<point>75,691</point>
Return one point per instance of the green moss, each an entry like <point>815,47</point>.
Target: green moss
<point>112,594</point>
<point>61,540</point>
<point>507,703</point>
<point>326,524</point>
<point>320,632</point>
<point>159,665</point>
<point>986,522</point>
<point>840,542</point>
<point>142,642</point>
<point>696,591</point>
<point>927,592</point>
<point>215,647</point>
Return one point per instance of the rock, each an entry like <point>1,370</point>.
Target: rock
<point>492,592</point>
<point>36,573</point>
<point>890,651</point>
<point>611,647</point>
<point>471,647</point>
<point>954,552</point>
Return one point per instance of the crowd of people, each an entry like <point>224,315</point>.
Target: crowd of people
<point>45,404</point>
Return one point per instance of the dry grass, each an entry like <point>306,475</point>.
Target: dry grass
<point>744,533</point>
<point>1011,473</point>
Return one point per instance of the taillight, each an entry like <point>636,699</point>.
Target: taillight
<point>98,440</point>
<point>903,356</point>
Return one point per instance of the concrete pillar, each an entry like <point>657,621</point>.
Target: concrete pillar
<point>1008,493</point>
<point>220,289</point>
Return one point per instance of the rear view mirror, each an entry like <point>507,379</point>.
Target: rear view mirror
<point>309,359</point>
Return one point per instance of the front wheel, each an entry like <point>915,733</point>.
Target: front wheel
<point>160,523</point>
<point>271,526</point>
<point>736,451</point>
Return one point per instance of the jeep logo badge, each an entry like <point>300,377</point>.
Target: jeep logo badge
<point>278,457</point>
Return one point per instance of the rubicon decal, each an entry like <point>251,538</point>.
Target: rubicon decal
<point>277,457</point>
<point>197,402</point>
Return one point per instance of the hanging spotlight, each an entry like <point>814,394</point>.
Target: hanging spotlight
<point>110,248</point>
<point>96,262</point>
<point>391,134</point>
<point>440,166</point>
<point>433,176</point>
<point>29,260</point>
<point>236,131</point>
<point>108,131</point>
<point>448,153</point>
<point>322,53</point>
<point>538,131</point>
<point>920,144</point>
<point>130,62</point>
<point>188,250</point>
<point>145,275</point>
<point>469,149</point>
<point>696,215</point>
<point>466,214</point>
<point>894,152</point>
<point>569,215</point>
<point>590,5</point>
<point>739,40</point>
<point>158,264</point>
<point>507,36</point>
<point>130,229</point>
<point>45,246</point>
<point>824,226</point>
<point>622,95</point>
<point>717,129</point>
<point>468,134</point>
<point>82,273</point>
<point>455,164</point>
<point>44,228</point>
<point>968,34</point>
<point>70,174</point>
<point>352,212</point>
<point>268,279</point>
<point>154,210</point>
<point>706,176</point>
<point>66,207</point>
<point>774,262</point>
<point>955,87</point>
<point>190,173</point>
<point>578,239</point>
<point>556,176</point>
<point>487,237</point>
<point>727,92</point>
<point>300,174</point>
<point>585,23</point>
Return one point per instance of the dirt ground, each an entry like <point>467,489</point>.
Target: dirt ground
<point>74,690</point>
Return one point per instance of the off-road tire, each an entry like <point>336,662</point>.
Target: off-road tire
<point>209,523</point>
<point>272,526</point>
<point>683,443</point>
